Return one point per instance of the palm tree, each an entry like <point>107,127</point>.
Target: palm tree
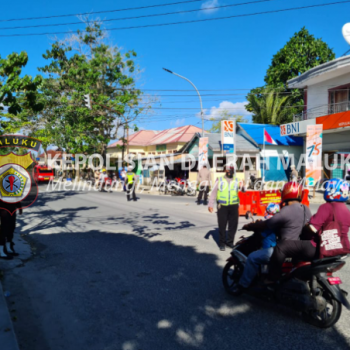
<point>268,106</point>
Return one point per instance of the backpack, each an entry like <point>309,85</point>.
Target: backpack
<point>332,241</point>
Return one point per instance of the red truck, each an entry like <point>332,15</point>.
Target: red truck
<point>43,173</point>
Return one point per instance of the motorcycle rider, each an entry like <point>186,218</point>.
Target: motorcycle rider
<point>102,177</point>
<point>225,193</point>
<point>336,195</point>
<point>288,225</point>
<point>262,256</point>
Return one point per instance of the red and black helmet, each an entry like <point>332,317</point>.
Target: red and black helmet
<point>291,191</point>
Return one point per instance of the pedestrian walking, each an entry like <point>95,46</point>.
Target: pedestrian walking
<point>203,180</point>
<point>8,226</point>
<point>225,193</point>
<point>130,184</point>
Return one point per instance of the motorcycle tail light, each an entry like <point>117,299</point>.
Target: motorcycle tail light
<point>337,268</point>
<point>334,280</point>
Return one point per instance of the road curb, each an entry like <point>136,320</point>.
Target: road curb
<point>8,340</point>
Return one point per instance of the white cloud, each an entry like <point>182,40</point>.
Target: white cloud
<point>237,108</point>
<point>210,3</point>
<point>178,122</point>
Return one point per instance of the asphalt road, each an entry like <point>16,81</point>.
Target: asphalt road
<point>110,274</point>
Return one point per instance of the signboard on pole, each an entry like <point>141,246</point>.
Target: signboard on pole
<point>313,153</point>
<point>203,152</point>
<point>228,132</point>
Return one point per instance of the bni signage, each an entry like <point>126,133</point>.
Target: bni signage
<point>228,131</point>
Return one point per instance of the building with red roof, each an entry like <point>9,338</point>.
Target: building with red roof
<point>145,142</point>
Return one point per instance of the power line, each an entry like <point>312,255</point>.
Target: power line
<point>138,17</point>
<point>98,12</point>
<point>192,21</point>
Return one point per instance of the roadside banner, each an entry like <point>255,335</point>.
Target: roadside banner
<point>203,152</point>
<point>313,154</point>
<point>228,131</point>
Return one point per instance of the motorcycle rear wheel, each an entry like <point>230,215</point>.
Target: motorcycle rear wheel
<point>326,318</point>
<point>230,276</point>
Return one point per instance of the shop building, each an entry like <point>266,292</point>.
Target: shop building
<point>327,102</point>
<point>275,158</point>
<point>151,142</point>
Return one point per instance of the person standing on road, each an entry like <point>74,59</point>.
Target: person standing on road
<point>225,193</point>
<point>203,181</point>
<point>8,226</point>
<point>130,184</point>
<point>123,177</point>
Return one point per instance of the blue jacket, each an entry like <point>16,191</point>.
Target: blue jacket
<point>269,239</point>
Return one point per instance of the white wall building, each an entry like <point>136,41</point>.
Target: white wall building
<point>327,102</point>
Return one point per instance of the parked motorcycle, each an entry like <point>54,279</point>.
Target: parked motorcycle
<point>309,287</point>
<point>177,187</point>
<point>191,190</point>
<point>255,183</point>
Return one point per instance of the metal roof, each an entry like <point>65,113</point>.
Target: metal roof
<point>149,137</point>
<point>214,143</point>
<point>338,67</point>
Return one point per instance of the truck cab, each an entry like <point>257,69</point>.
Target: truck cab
<point>43,173</point>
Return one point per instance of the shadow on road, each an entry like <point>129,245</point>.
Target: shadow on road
<point>103,291</point>
<point>215,235</point>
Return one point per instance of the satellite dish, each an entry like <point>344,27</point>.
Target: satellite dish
<point>346,32</point>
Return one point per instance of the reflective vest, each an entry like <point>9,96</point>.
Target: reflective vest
<point>227,195</point>
<point>129,178</point>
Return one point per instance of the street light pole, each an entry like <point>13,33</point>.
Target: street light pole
<point>200,99</point>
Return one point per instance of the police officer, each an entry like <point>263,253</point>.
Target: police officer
<point>130,184</point>
<point>225,193</point>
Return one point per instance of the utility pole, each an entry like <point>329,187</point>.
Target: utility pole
<point>123,148</point>
<point>200,99</point>
<point>127,139</point>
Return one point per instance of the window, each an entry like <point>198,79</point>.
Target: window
<point>45,171</point>
<point>339,99</point>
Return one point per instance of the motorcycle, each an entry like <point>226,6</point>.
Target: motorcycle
<point>255,183</point>
<point>108,181</point>
<point>308,287</point>
<point>177,187</point>
<point>190,189</point>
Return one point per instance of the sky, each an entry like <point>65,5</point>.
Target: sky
<point>223,58</point>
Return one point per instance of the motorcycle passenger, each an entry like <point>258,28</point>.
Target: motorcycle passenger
<point>262,256</point>
<point>336,195</point>
<point>288,225</point>
<point>225,193</point>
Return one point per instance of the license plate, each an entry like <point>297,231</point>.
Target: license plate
<point>46,178</point>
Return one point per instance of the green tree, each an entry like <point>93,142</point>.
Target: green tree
<point>225,115</point>
<point>301,53</point>
<point>84,64</point>
<point>18,94</point>
<point>269,107</point>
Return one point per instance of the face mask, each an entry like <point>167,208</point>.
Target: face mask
<point>229,174</point>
